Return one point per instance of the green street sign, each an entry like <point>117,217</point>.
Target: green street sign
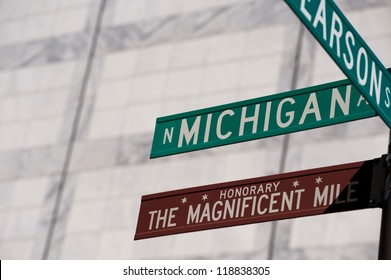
<point>349,51</point>
<point>292,111</point>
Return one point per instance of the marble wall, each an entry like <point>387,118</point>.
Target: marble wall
<point>82,83</point>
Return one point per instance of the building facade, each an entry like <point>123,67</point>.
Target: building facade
<point>82,83</point>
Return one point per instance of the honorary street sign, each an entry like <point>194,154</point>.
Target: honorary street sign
<point>349,51</point>
<point>297,110</point>
<point>296,194</point>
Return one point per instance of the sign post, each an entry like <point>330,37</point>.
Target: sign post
<point>297,194</point>
<point>297,110</point>
<point>385,230</point>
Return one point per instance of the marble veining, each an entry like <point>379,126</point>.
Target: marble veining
<point>155,31</point>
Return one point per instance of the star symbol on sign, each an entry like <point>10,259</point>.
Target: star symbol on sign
<point>184,200</point>
<point>295,184</point>
<point>204,197</point>
<point>318,180</point>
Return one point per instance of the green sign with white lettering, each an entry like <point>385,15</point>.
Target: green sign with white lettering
<point>349,51</point>
<point>297,110</point>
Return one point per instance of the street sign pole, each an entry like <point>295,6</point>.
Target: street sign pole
<point>385,231</point>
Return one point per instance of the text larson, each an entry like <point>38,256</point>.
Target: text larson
<point>349,51</point>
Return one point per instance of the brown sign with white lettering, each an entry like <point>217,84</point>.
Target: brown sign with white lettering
<point>290,195</point>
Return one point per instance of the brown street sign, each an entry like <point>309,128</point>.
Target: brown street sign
<point>296,194</point>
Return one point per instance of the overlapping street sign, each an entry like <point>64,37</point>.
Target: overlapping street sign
<point>297,110</point>
<point>348,50</point>
<point>296,194</point>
